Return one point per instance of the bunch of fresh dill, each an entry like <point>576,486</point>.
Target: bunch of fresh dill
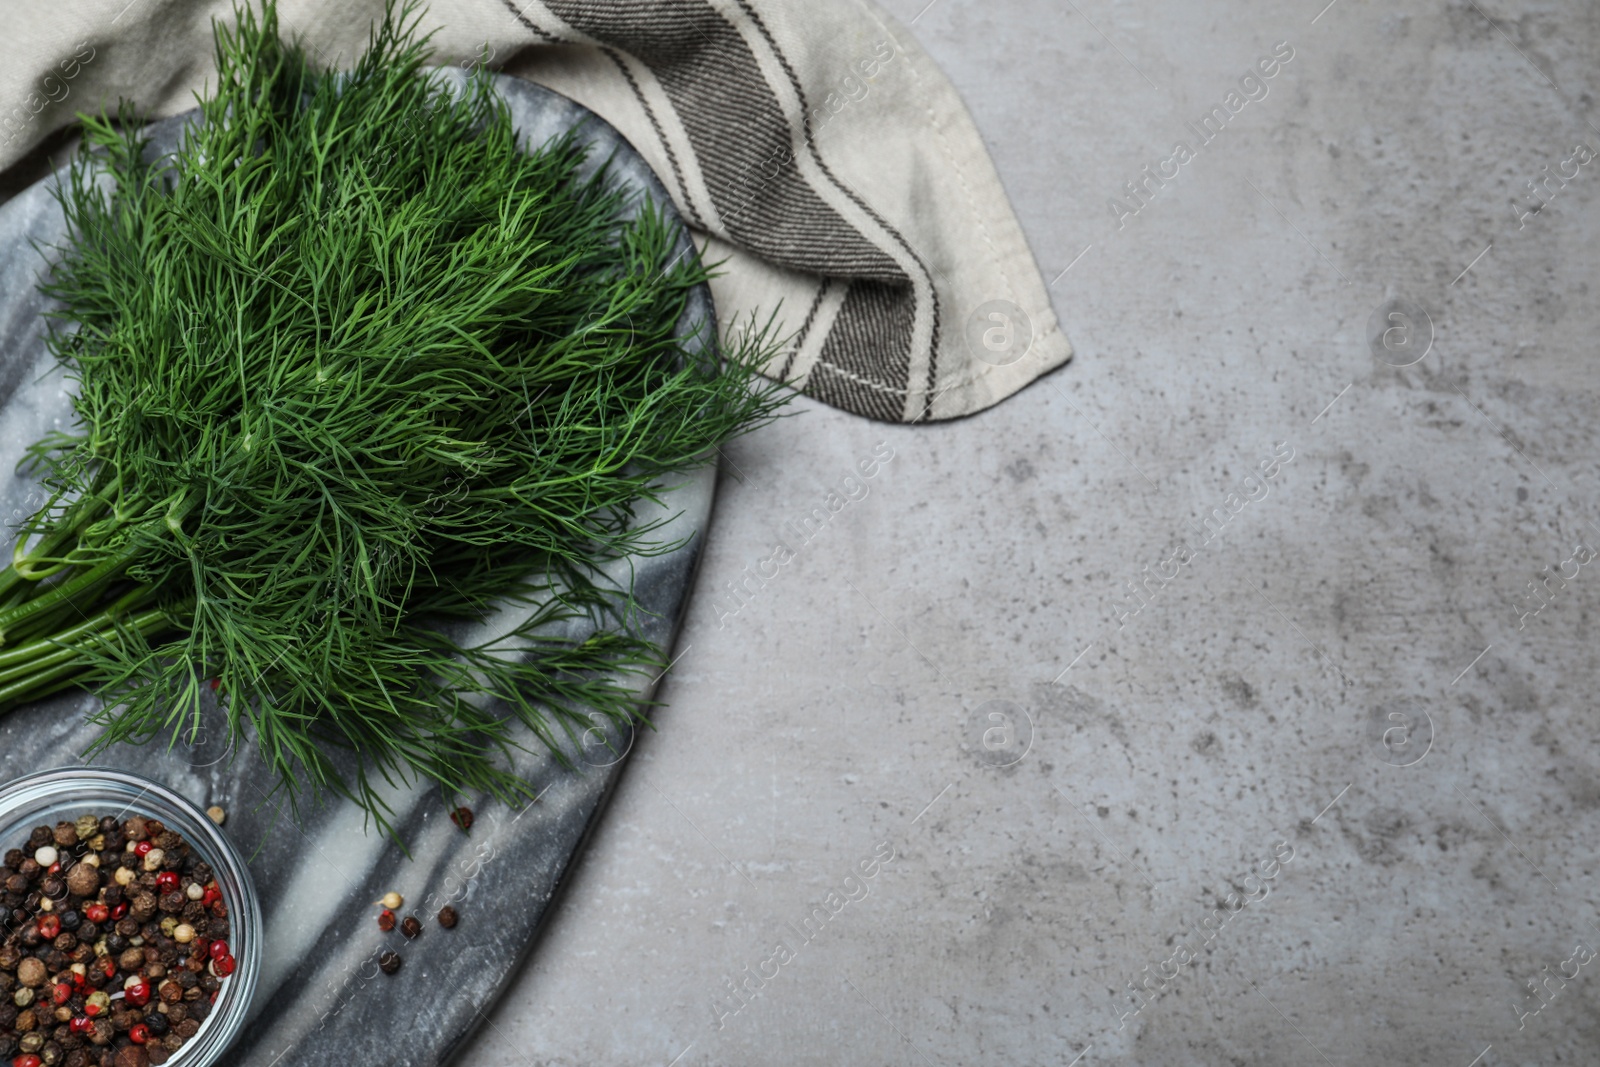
<point>352,370</point>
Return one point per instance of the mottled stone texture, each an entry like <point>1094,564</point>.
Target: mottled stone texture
<point>1254,689</point>
<point>322,999</point>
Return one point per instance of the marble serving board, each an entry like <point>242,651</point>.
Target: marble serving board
<point>322,999</point>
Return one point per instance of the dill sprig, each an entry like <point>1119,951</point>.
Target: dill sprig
<point>353,371</point>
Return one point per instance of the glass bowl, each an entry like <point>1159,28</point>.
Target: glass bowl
<point>50,797</point>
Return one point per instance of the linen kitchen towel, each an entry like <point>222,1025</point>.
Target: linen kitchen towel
<point>811,144</point>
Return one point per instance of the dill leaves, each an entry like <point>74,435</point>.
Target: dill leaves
<point>353,371</point>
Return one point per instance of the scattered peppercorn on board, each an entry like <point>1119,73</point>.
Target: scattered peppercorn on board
<point>324,995</point>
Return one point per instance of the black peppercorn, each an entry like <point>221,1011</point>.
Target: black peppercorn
<point>447,917</point>
<point>55,870</point>
<point>389,962</point>
<point>411,927</point>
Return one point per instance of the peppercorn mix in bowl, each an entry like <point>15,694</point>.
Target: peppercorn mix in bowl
<point>129,929</point>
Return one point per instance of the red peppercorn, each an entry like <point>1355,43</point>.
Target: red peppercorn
<point>214,683</point>
<point>386,920</point>
<point>462,817</point>
<point>109,966</point>
<point>120,911</point>
<point>50,927</point>
<point>97,913</point>
<point>81,1024</point>
<point>167,881</point>
<point>217,950</point>
<point>54,868</point>
<point>138,1033</point>
<point>138,994</point>
<point>223,967</point>
<point>61,994</point>
<point>220,909</point>
<point>27,1059</point>
<point>143,848</point>
<point>212,895</point>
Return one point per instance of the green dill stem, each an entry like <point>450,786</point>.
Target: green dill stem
<point>21,568</point>
<point>85,513</point>
<point>15,619</point>
<point>32,688</point>
<point>21,684</point>
<point>30,652</point>
<point>43,624</point>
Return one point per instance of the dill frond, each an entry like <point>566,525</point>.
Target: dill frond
<point>351,368</point>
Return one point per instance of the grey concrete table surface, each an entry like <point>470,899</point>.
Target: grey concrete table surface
<point>1325,789</point>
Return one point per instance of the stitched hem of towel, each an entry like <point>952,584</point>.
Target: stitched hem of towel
<point>986,370</point>
<point>982,371</point>
<point>879,386</point>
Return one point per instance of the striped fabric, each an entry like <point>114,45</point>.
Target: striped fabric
<point>815,149</point>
